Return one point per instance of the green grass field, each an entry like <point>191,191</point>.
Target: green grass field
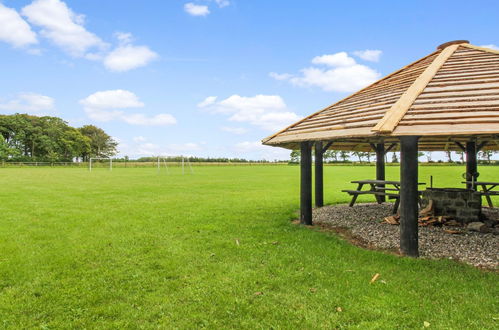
<point>133,249</point>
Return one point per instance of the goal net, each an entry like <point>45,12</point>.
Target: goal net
<point>185,164</point>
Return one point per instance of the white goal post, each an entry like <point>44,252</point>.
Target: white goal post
<point>110,163</point>
<point>164,161</point>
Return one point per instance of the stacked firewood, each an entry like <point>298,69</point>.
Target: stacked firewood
<point>424,221</point>
<point>428,218</point>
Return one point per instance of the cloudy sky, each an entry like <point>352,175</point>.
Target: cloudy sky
<point>213,77</point>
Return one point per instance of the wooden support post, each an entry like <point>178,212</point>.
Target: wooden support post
<point>471,163</point>
<point>409,196</point>
<point>306,183</point>
<point>319,175</point>
<point>380,166</point>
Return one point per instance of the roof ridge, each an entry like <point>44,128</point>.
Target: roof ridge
<point>484,49</point>
<point>398,110</point>
<point>351,95</point>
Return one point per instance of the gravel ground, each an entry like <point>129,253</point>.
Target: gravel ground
<point>363,223</point>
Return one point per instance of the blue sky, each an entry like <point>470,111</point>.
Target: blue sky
<point>213,77</point>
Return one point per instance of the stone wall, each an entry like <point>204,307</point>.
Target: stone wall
<point>461,204</point>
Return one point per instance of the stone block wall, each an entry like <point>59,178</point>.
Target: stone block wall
<point>461,204</point>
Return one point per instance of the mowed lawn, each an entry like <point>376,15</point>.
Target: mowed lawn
<point>134,249</point>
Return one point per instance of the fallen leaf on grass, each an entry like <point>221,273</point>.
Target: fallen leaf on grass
<point>258,293</point>
<point>237,242</point>
<point>339,309</point>
<point>426,324</point>
<point>313,290</point>
<point>454,232</point>
<point>375,277</point>
<point>275,243</point>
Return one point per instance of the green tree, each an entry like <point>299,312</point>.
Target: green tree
<point>461,155</point>
<point>6,152</point>
<point>332,155</point>
<point>449,156</point>
<point>486,155</point>
<point>101,144</point>
<point>295,156</point>
<point>344,155</point>
<point>32,138</point>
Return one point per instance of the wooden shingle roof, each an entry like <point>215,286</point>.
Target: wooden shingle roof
<point>451,95</point>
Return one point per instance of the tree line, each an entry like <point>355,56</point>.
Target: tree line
<point>31,138</point>
<point>341,156</point>
<point>200,159</point>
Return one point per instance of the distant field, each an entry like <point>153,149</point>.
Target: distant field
<point>131,248</point>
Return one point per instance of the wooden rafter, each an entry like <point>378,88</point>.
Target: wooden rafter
<point>393,116</point>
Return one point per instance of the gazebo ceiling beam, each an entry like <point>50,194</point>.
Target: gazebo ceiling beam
<point>481,145</point>
<point>459,144</point>
<point>327,146</point>
<point>390,147</point>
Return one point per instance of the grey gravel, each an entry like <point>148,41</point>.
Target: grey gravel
<point>363,223</point>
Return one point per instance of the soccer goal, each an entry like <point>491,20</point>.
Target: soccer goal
<point>188,163</point>
<point>162,162</point>
<point>94,159</point>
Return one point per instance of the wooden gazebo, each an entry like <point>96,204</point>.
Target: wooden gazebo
<point>448,100</point>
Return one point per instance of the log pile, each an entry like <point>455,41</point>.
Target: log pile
<point>428,218</point>
<point>424,221</point>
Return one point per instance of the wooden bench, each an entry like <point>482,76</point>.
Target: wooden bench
<point>356,193</point>
<point>379,189</point>
<point>486,189</point>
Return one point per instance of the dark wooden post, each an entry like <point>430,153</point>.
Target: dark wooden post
<point>471,163</point>
<point>306,183</point>
<point>380,166</point>
<point>319,175</point>
<point>409,196</point>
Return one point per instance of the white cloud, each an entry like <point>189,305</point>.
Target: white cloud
<point>280,76</point>
<point>196,10</point>
<point>234,130</point>
<point>14,30</point>
<point>335,60</point>
<point>128,57</point>
<point>30,103</point>
<point>370,55</point>
<point>210,100</point>
<point>139,139</point>
<point>62,26</point>
<point>222,3</point>
<point>345,75</point>
<point>343,79</point>
<point>491,46</point>
<point>124,37</point>
<point>157,120</point>
<point>112,99</point>
<point>108,105</point>
<point>268,112</point>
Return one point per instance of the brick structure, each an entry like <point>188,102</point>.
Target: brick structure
<point>463,205</point>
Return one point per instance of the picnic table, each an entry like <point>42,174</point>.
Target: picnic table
<point>378,188</point>
<point>487,189</point>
